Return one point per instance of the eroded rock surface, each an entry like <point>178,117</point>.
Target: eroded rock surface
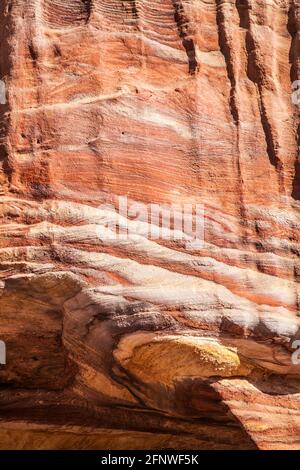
<point>139,342</point>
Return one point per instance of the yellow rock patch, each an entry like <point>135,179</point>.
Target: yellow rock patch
<point>164,360</point>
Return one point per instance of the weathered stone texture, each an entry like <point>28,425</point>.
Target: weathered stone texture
<point>149,343</point>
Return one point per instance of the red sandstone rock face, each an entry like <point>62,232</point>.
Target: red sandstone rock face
<point>143,343</point>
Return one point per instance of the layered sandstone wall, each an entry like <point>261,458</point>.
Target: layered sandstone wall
<point>140,342</point>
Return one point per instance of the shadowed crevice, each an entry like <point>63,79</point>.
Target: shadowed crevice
<point>256,73</point>
<point>132,7</point>
<point>5,73</point>
<point>242,9</point>
<point>293,29</point>
<point>183,30</point>
<point>226,51</point>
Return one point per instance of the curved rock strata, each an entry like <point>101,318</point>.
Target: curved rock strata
<point>146,342</point>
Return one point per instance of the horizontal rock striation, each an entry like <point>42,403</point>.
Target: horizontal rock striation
<point>149,342</point>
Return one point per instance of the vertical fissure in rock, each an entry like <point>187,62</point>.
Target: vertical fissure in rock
<point>183,30</point>
<point>5,73</point>
<point>294,57</point>
<point>88,5</point>
<point>242,9</point>
<point>255,73</point>
<point>132,7</point>
<point>226,51</point>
